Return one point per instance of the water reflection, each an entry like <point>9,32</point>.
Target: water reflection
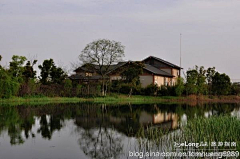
<point>101,129</point>
<point>101,143</point>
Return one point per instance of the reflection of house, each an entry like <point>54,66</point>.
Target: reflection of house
<point>161,119</point>
<point>155,71</point>
<point>127,125</point>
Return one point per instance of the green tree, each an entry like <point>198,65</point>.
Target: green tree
<point>210,73</point>
<point>131,74</point>
<point>102,53</point>
<point>0,60</point>
<point>17,67</point>
<point>9,86</point>
<point>78,90</point>
<point>68,87</point>
<point>201,81</point>
<point>50,73</point>
<point>221,84</point>
<point>179,87</point>
<point>235,89</point>
<point>45,71</point>
<point>29,72</point>
<point>196,81</point>
<point>191,85</point>
<point>57,75</point>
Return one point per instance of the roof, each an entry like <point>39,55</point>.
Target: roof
<point>80,77</point>
<point>147,67</point>
<point>163,61</point>
<point>93,67</point>
<point>156,71</point>
<point>120,64</point>
<point>111,68</point>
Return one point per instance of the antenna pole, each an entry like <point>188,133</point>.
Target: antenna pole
<point>180,54</point>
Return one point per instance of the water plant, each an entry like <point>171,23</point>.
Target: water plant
<point>216,129</point>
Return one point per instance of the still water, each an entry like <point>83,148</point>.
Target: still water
<point>85,130</point>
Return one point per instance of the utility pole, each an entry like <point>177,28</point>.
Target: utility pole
<point>180,54</point>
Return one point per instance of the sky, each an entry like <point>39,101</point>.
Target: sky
<point>60,29</point>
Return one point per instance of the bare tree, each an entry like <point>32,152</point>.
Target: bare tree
<point>0,60</point>
<point>101,54</point>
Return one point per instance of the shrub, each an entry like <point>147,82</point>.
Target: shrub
<point>235,89</point>
<point>9,85</point>
<point>67,87</point>
<point>151,89</point>
<point>115,86</point>
<point>125,88</point>
<point>179,88</point>
<point>78,90</point>
<point>167,91</point>
<point>29,88</point>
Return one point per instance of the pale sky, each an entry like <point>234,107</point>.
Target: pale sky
<point>60,29</point>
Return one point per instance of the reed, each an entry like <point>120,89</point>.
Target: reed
<point>214,129</point>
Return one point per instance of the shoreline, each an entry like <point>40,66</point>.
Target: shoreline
<point>123,99</point>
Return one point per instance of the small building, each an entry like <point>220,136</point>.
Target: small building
<point>155,71</point>
<point>168,72</point>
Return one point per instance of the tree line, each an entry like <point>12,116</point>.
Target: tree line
<point>20,79</point>
<point>201,81</point>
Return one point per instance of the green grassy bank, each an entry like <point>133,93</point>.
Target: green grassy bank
<point>121,99</point>
<point>109,99</point>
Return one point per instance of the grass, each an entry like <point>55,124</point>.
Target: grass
<point>119,99</point>
<point>223,128</point>
<point>39,100</point>
<point>213,129</point>
<point>111,99</point>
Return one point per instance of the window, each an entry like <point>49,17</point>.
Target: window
<point>88,74</point>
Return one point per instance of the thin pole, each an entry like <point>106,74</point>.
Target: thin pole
<point>180,53</point>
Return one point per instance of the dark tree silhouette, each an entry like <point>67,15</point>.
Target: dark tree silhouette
<point>50,73</point>
<point>102,53</point>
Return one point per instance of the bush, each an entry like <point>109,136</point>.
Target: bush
<point>9,86</point>
<point>115,86</point>
<point>235,89</point>
<point>179,88</point>
<point>125,88</point>
<point>78,90</point>
<point>67,87</point>
<point>151,89</point>
<point>167,91</point>
<point>29,88</point>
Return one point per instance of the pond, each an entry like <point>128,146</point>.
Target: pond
<point>87,130</point>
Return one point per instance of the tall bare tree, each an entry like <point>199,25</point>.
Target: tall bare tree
<point>101,54</point>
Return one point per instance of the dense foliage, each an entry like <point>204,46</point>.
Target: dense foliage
<point>50,73</point>
<point>207,82</point>
<point>20,79</point>
<point>198,82</point>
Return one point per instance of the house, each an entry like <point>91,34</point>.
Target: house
<point>169,72</point>
<point>89,73</point>
<point>155,71</point>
